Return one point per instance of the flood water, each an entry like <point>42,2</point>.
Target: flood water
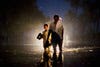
<point>24,56</point>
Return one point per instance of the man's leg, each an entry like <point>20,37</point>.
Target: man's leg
<point>54,47</point>
<point>60,46</point>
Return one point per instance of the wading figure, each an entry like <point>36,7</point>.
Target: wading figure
<point>57,30</point>
<point>46,36</point>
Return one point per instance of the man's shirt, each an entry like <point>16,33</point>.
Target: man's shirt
<point>58,28</point>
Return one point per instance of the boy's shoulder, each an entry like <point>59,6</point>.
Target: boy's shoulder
<point>43,31</point>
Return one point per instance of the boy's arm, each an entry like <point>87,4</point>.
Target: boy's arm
<point>40,36</point>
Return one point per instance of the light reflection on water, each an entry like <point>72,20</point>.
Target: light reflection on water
<point>36,50</point>
<point>39,49</point>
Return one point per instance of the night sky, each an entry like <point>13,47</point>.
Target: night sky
<point>52,7</point>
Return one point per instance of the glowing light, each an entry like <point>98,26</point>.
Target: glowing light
<point>57,48</point>
<point>38,44</point>
<point>51,49</point>
<point>66,40</point>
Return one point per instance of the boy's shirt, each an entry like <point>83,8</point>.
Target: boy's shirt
<point>45,35</point>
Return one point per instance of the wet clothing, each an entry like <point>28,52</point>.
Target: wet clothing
<point>46,38</point>
<point>57,35</point>
<point>57,28</point>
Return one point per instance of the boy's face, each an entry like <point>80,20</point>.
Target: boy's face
<point>46,27</point>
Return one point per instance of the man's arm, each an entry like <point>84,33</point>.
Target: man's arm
<point>62,33</point>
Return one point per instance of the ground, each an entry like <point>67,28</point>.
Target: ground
<point>22,56</point>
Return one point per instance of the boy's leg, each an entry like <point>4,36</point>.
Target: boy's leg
<point>49,48</point>
<point>44,47</point>
<point>49,52</point>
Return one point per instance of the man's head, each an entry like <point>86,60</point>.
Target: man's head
<point>46,26</point>
<point>56,18</point>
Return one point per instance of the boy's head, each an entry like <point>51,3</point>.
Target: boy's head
<point>46,26</point>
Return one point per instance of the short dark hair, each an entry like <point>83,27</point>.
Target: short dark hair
<point>46,25</point>
<point>56,16</point>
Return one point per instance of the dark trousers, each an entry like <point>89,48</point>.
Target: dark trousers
<point>56,40</point>
<point>59,45</point>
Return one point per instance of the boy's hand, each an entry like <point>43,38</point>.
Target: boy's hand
<point>39,36</point>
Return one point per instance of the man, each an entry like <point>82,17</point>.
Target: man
<point>57,33</point>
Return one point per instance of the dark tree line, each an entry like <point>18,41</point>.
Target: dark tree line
<point>90,13</point>
<point>19,11</point>
<point>15,17</point>
<point>84,19</point>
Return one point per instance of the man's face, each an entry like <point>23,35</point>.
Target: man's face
<point>56,19</point>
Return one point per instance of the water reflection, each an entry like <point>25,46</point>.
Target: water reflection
<point>57,60</point>
<point>51,60</point>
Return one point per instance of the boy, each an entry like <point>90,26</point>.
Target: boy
<point>46,37</point>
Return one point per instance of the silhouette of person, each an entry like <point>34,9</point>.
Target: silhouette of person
<point>57,30</point>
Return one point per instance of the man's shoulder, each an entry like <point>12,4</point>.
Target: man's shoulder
<point>61,23</point>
